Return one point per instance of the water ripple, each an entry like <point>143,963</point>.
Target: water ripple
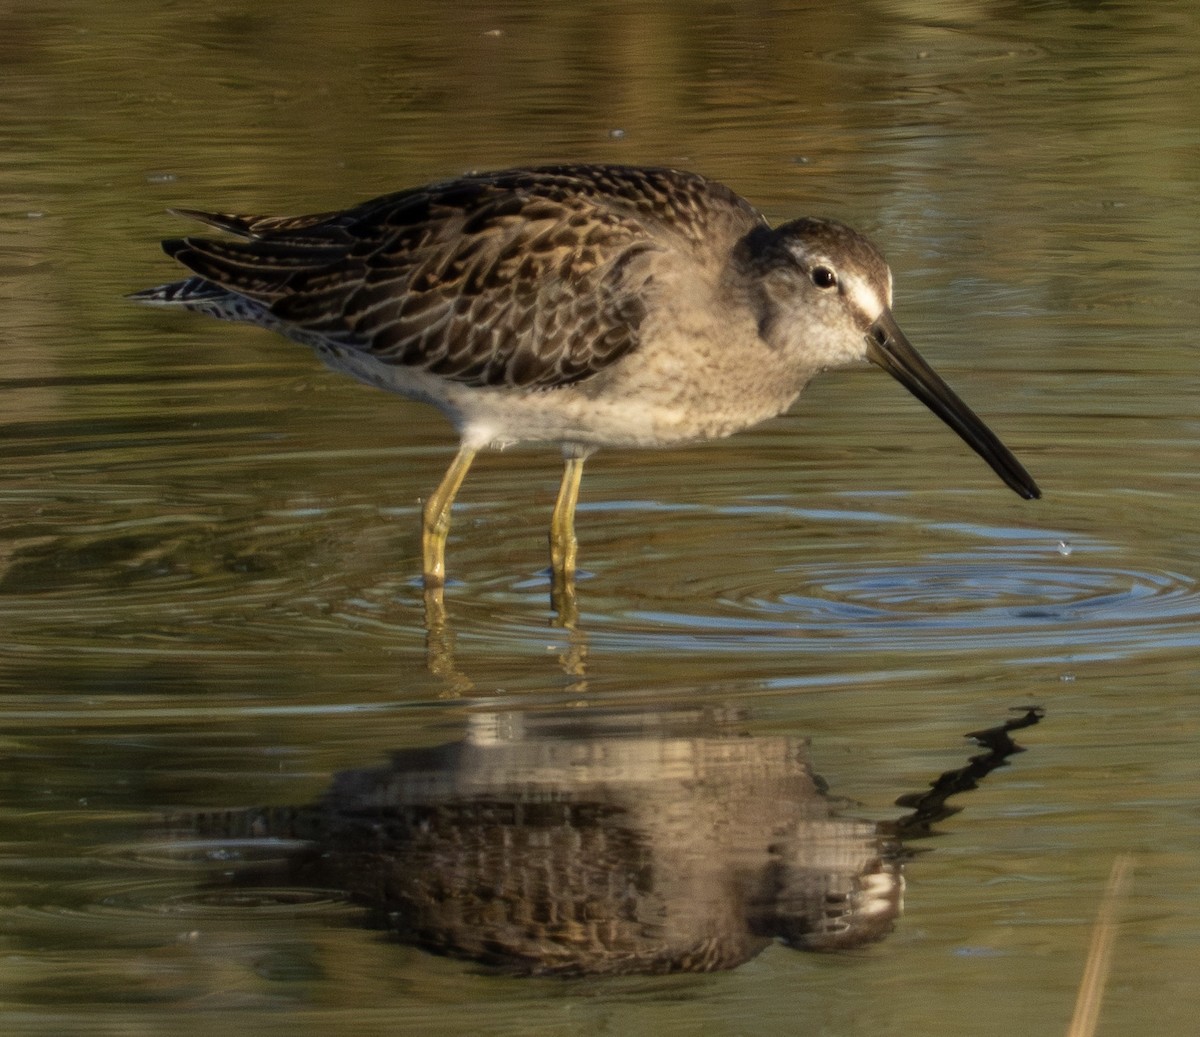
<point>1089,611</point>
<point>231,576</point>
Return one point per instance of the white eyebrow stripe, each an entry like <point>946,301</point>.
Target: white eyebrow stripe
<point>863,298</point>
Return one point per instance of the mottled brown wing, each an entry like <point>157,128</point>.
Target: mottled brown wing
<point>513,291</point>
<point>527,278</point>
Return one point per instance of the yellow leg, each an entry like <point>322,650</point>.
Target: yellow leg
<point>563,546</point>
<point>435,518</point>
<point>563,551</point>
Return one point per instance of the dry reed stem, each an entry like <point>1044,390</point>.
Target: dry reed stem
<point>1095,971</point>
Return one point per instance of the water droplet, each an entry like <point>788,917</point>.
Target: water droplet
<point>617,134</point>
<point>1064,548</point>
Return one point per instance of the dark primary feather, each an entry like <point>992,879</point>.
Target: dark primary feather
<point>524,278</point>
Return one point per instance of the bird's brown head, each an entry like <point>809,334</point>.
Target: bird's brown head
<point>823,293</point>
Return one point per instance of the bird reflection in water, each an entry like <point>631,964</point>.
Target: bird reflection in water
<point>561,844</point>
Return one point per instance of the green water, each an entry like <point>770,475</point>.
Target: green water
<point>208,544</point>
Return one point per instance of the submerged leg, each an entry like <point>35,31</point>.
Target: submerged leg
<point>435,518</point>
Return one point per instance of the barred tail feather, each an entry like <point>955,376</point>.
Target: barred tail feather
<point>179,293</point>
<point>202,296</point>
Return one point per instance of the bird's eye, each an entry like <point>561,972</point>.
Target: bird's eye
<point>823,277</point>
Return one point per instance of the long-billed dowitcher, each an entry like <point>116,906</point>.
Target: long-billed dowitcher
<point>582,305</point>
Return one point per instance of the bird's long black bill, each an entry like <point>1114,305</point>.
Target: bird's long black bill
<point>887,347</point>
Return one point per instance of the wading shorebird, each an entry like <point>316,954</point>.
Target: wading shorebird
<point>583,305</point>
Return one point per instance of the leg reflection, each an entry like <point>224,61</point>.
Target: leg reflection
<point>439,646</point>
<point>440,657</point>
